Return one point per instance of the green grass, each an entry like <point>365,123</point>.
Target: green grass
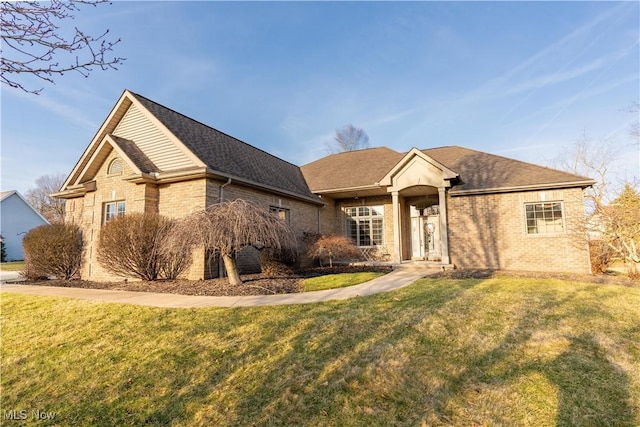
<point>12,266</point>
<point>494,352</point>
<point>341,280</point>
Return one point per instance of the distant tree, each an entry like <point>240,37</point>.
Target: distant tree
<point>612,220</point>
<point>348,138</point>
<point>3,250</point>
<point>40,197</point>
<point>33,43</point>
<point>227,228</point>
<point>333,247</point>
<point>621,227</point>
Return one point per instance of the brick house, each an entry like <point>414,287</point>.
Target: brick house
<point>449,205</point>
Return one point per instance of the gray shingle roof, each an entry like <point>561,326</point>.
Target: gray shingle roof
<point>136,155</point>
<point>478,171</point>
<point>228,155</point>
<point>483,171</point>
<point>350,169</point>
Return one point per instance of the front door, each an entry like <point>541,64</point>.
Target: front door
<point>432,237</point>
<point>417,238</point>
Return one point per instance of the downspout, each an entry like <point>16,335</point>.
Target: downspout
<point>221,195</point>
<point>220,199</point>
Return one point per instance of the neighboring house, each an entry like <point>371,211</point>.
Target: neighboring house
<point>449,205</point>
<point>17,217</point>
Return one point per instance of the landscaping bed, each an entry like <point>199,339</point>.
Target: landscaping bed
<point>254,284</point>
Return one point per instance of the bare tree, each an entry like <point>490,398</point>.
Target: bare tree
<point>612,213</point>
<point>228,227</point>
<point>32,43</point>
<point>590,158</point>
<point>40,197</point>
<point>348,138</point>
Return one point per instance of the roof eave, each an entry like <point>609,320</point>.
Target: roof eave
<point>551,186</point>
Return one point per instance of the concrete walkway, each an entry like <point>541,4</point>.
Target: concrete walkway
<point>396,279</point>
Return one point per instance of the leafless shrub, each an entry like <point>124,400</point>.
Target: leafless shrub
<point>228,227</point>
<point>138,245</point>
<point>281,263</point>
<point>601,256</point>
<point>333,247</point>
<point>53,250</point>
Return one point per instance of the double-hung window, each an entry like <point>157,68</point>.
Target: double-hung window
<point>113,209</point>
<point>544,218</point>
<point>365,225</point>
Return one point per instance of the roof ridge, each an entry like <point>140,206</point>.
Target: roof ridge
<point>211,127</point>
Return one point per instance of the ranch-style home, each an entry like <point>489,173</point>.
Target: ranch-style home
<point>448,205</point>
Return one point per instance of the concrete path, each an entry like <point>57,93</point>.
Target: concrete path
<point>13,276</point>
<point>396,279</point>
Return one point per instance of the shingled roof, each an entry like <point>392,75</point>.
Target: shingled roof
<point>478,171</point>
<point>230,156</point>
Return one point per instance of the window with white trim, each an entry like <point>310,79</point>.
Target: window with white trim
<point>113,209</point>
<point>365,225</point>
<point>544,218</point>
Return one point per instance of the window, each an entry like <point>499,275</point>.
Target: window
<point>281,213</point>
<point>544,218</point>
<point>115,167</point>
<point>113,209</point>
<point>365,225</point>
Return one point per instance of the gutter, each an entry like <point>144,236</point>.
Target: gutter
<point>221,194</point>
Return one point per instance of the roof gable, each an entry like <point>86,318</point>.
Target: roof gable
<point>417,168</point>
<point>122,113</point>
<point>7,196</point>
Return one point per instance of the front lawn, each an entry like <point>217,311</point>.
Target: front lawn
<point>339,280</point>
<point>496,351</point>
<point>12,266</point>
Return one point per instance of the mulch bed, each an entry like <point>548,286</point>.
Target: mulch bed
<point>254,284</point>
<point>261,284</point>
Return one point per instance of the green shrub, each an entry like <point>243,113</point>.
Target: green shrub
<point>137,245</point>
<point>53,250</point>
<point>3,250</point>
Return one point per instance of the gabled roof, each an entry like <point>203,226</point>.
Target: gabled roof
<point>4,195</point>
<point>205,148</point>
<point>230,156</point>
<point>478,172</point>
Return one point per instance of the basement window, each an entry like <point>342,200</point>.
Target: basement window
<point>544,218</point>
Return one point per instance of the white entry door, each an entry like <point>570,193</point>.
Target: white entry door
<point>417,238</point>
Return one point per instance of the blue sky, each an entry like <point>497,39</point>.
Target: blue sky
<point>516,79</point>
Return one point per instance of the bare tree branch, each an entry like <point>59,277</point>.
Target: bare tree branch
<point>348,138</point>
<point>40,197</point>
<point>33,44</point>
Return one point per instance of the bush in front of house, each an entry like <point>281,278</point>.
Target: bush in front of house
<point>333,247</point>
<point>53,250</point>
<point>601,256</point>
<point>278,263</point>
<point>138,245</point>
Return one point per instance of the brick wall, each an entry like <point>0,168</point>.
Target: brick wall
<point>489,231</point>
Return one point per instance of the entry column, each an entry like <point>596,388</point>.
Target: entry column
<point>396,255</point>
<point>444,233</point>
